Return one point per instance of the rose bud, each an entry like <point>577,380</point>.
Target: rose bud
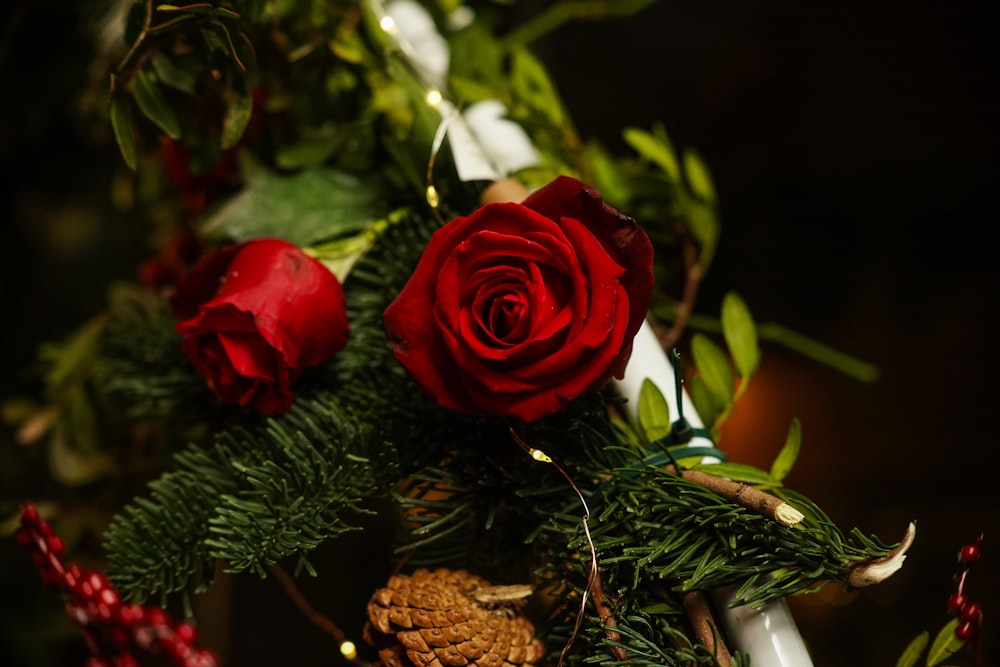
<point>254,314</point>
<point>517,309</point>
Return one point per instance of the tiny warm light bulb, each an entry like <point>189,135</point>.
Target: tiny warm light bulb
<point>388,24</point>
<point>433,98</point>
<point>349,650</point>
<point>433,199</point>
<point>539,455</point>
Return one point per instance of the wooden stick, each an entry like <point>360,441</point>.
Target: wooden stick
<point>705,629</point>
<point>743,494</point>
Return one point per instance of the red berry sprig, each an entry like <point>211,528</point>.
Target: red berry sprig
<point>970,615</point>
<point>114,630</point>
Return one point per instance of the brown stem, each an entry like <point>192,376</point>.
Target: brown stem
<point>147,20</point>
<point>607,618</point>
<point>704,626</point>
<point>743,494</point>
<point>318,619</point>
<point>669,338</point>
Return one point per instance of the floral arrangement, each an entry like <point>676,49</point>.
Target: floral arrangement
<point>393,276</point>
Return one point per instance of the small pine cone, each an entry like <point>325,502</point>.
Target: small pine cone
<point>450,618</point>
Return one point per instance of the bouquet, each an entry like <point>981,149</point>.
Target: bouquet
<point>396,288</point>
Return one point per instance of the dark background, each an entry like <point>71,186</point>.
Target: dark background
<point>854,148</point>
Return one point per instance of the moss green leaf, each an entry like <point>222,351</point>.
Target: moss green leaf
<point>706,403</point>
<point>154,105</point>
<point>713,367</point>
<point>653,412</point>
<point>946,644</point>
<point>740,334</point>
<point>121,125</point>
<point>180,75</point>
<point>237,117</point>
<point>655,147</point>
<point>698,177</point>
<point>785,460</point>
<point>303,208</point>
<point>914,650</point>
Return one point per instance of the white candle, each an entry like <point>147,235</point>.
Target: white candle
<point>767,634</point>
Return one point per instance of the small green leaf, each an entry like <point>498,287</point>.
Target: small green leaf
<point>184,79</point>
<point>656,148</point>
<point>153,104</point>
<point>706,403</point>
<point>532,84</point>
<point>741,334</point>
<point>698,177</point>
<point>237,117</point>
<point>121,125</point>
<point>914,650</point>
<point>713,367</point>
<point>945,644</point>
<point>785,460</point>
<point>653,412</point>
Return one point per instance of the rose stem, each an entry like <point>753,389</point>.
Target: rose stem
<point>705,629</point>
<point>743,494</point>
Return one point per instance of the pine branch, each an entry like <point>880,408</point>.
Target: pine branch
<point>271,488</point>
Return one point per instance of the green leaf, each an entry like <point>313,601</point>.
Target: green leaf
<point>653,412</point>
<point>738,472</point>
<point>740,334</point>
<point>785,460</point>
<point>698,177</point>
<point>713,367</point>
<point>237,117</point>
<point>153,104</point>
<point>914,650</point>
<point>945,644</point>
<point>531,84</point>
<point>121,125</point>
<point>304,208</point>
<point>706,403</point>
<point>184,79</point>
<point>656,148</point>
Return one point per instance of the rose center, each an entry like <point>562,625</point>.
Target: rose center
<point>504,314</point>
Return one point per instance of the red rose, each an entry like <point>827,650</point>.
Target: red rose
<point>518,309</point>
<point>254,314</point>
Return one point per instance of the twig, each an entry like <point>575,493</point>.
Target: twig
<point>692,279</point>
<point>743,494</point>
<point>147,20</point>
<point>705,629</point>
<point>318,619</point>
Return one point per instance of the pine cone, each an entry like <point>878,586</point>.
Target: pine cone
<point>450,618</point>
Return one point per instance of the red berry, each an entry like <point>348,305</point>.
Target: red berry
<point>971,612</point>
<point>29,515</point>
<point>956,603</point>
<point>969,554</point>
<point>56,545</point>
<point>966,630</point>
<point>186,632</point>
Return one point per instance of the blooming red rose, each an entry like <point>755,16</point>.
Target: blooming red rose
<point>254,314</point>
<point>518,309</point>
